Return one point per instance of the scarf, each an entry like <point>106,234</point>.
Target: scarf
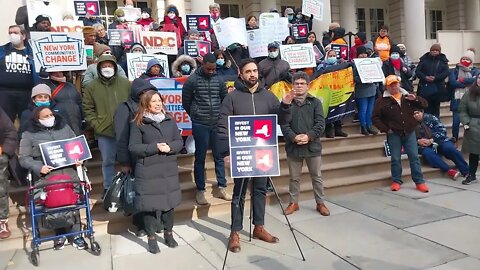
<point>157,118</point>
<point>464,72</point>
<point>300,100</point>
<point>397,64</point>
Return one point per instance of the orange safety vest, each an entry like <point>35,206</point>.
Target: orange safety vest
<point>382,47</point>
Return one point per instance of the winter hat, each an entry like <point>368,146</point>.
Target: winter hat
<point>369,45</point>
<point>193,31</point>
<point>119,12</point>
<point>470,54</point>
<point>437,47</point>
<point>41,89</point>
<point>273,45</point>
<point>172,9</point>
<point>275,10</point>
<point>88,30</point>
<point>152,62</point>
<point>333,25</point>
<point>391,79</point>
<point>402,46</point>
<point>395,49</point>
<point>288,11</point>
<point>41,18</point>
<point>362,36</point>
<point>137,45</point>
<point>99,49</point>
<point>147,10</point>
<point>361,50</point>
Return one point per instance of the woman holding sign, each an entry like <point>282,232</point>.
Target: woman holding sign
<point>45,126</point>
<point>154,141</point>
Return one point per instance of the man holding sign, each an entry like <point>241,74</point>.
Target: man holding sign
<point>250,98</point>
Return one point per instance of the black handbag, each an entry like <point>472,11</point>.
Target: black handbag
<point>112,200</point>
<point>128,195</point>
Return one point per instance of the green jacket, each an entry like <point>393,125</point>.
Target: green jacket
<point>101,98</point>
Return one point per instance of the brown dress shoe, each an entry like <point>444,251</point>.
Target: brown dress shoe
<point>322,209</point>
<point>234,244</point>
<point>292,207</point>
<point>260,233</point>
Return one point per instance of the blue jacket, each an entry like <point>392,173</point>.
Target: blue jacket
<point>453,84</point>
<point>438,130</point>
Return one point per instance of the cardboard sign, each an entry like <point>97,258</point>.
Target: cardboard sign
<point>298,55</point>
<point>120,37</point>
<point>55,9</point>
<point>273,27</point>
<point>341,50</point>
<point>253,145</point>
<point>67,27</point>
<point>159,42</point>
<point>58,51</point>
<point>230,30</point>
<point>82,8</point>
<point>62,153</point>
<point>131,14</point>
<point>313,7</point>
<point>137,64</point>
<point>171,91</point>
<point>200,22</point>
<point>257,45</point>
<point>196,48</point>
<point>369,69</point>
<point>300,31</point>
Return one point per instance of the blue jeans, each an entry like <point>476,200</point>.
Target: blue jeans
<point>409,143</point>
<point>365,110</point>
<point>455,124</point>
<point>448,150</point>
<point>107,146</point>
<point>206,136</point>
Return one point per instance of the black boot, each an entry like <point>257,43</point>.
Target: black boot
<point>372,130</point>
<point>329,132</point>
<point>153,246</point>
<point>364,131</point>
<point>169,241</point>
<point>339,132</point>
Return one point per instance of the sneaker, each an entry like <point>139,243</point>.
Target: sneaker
<point>79,243</point>
<point>153,246</point>
<point>200,197</point>
<point>469,180</point>
<point>395,186</point>
<point>59,244</point>
<point>454,174</point>
<point>4,231</point>
<point>422,187</point>
<point>223,194</point>
<point>169,240</point>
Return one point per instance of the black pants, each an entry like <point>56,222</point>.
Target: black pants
<point>238,202</point>
<point>152,220</point>
<point>473,164</point>
<point>337,125</point>
<point>14,102</point>
<point>433,106</point>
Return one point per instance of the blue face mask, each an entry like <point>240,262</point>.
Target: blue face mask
<point>220,62</point>
<point>290,17</point>
<point>186,68</point>
<point>331,60</point>
<point>42,103</point>
<point>395,56</point>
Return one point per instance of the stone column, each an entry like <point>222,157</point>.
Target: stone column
<point>348,17</point>
<point>266,5</point>
<point>414,11</point>
<point>320,26</point>
<point>200,6</point>
<point>472,14</point>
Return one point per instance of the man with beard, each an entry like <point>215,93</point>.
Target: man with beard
<point>250,98</point>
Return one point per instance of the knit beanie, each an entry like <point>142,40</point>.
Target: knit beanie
<point>436,46</point>
<point>41,18</point>
<point>395,49</point>
<point>470,54</point>
<point>99,49</point>
<point>119,12</point>
<point>41,89</point>
<point>402,46</point>
<point>361,50</point>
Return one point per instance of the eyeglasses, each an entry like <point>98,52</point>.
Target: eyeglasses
<point>300,83</point>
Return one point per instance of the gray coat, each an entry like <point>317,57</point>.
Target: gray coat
<point>469,112</point>
<point>157,185</point>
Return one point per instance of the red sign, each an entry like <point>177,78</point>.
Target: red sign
<point>262,129</point>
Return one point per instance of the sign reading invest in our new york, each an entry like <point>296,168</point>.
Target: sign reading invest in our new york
<point>253,146</point>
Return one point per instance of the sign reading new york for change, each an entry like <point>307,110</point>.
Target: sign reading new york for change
<point>58,51</point>
<point>62,153</point>
<point>253,146</point>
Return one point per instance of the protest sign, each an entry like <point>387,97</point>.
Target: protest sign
<point>318,54</point>
<point>58,51</point>
<point>62,153</point>
<point>196,48</point>
<point>84,7</point>
<point>67,26</point>
<point>131,14</point>
<point>55,9</point>
<point>200,22</point>
<point>171,92</point>
<point>230,30</point>
<point>341,50</point>
<point>369,69</point>
<point>137,64</point>
<point>298,55</point>
<point>120,37</point>
<point>159,42</point>
<point>253,145</point>
<point>273,27</point>
<point>335,89</point>
<point>299,31</point>
<point>257,45</point>
<point>313,7</point>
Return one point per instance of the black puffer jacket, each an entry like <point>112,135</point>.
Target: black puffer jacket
<point>202,97</point>
<point>432,66</point>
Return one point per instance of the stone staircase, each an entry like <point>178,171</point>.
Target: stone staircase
<point>349,164</point>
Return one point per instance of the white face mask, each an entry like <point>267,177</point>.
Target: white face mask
<point>49,122</point>
<point>171,15</point>
<point>273,54</point>
<point>15,39</point>
<point>107,72</point>
<point>121,19</point>
<point>145,16</point>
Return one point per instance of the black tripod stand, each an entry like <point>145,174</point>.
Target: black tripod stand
<point>237,208</point>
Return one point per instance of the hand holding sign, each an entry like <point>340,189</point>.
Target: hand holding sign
<point>46,169</point>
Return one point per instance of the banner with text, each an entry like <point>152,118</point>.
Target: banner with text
<point>137,64</point>
<point>335,89</point>
<point>120,37</point>
<point>313,7</point>
<point>159,42</point>
<point>369,69</point>
<point>253,145</point>
<point>298,55</point>
<point>299,31</point>
<point>273,27</point>
<point>200,22</point>
<point>131,14</point>
<point>230,30</point>
<point>67,27</point>
<point>196,48</point>
<point>171,91</point>
<point>54,9</point>
<point>58,51</point>
<point>82,8</point>
<point>257,45</point>
<point>62,153</point>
